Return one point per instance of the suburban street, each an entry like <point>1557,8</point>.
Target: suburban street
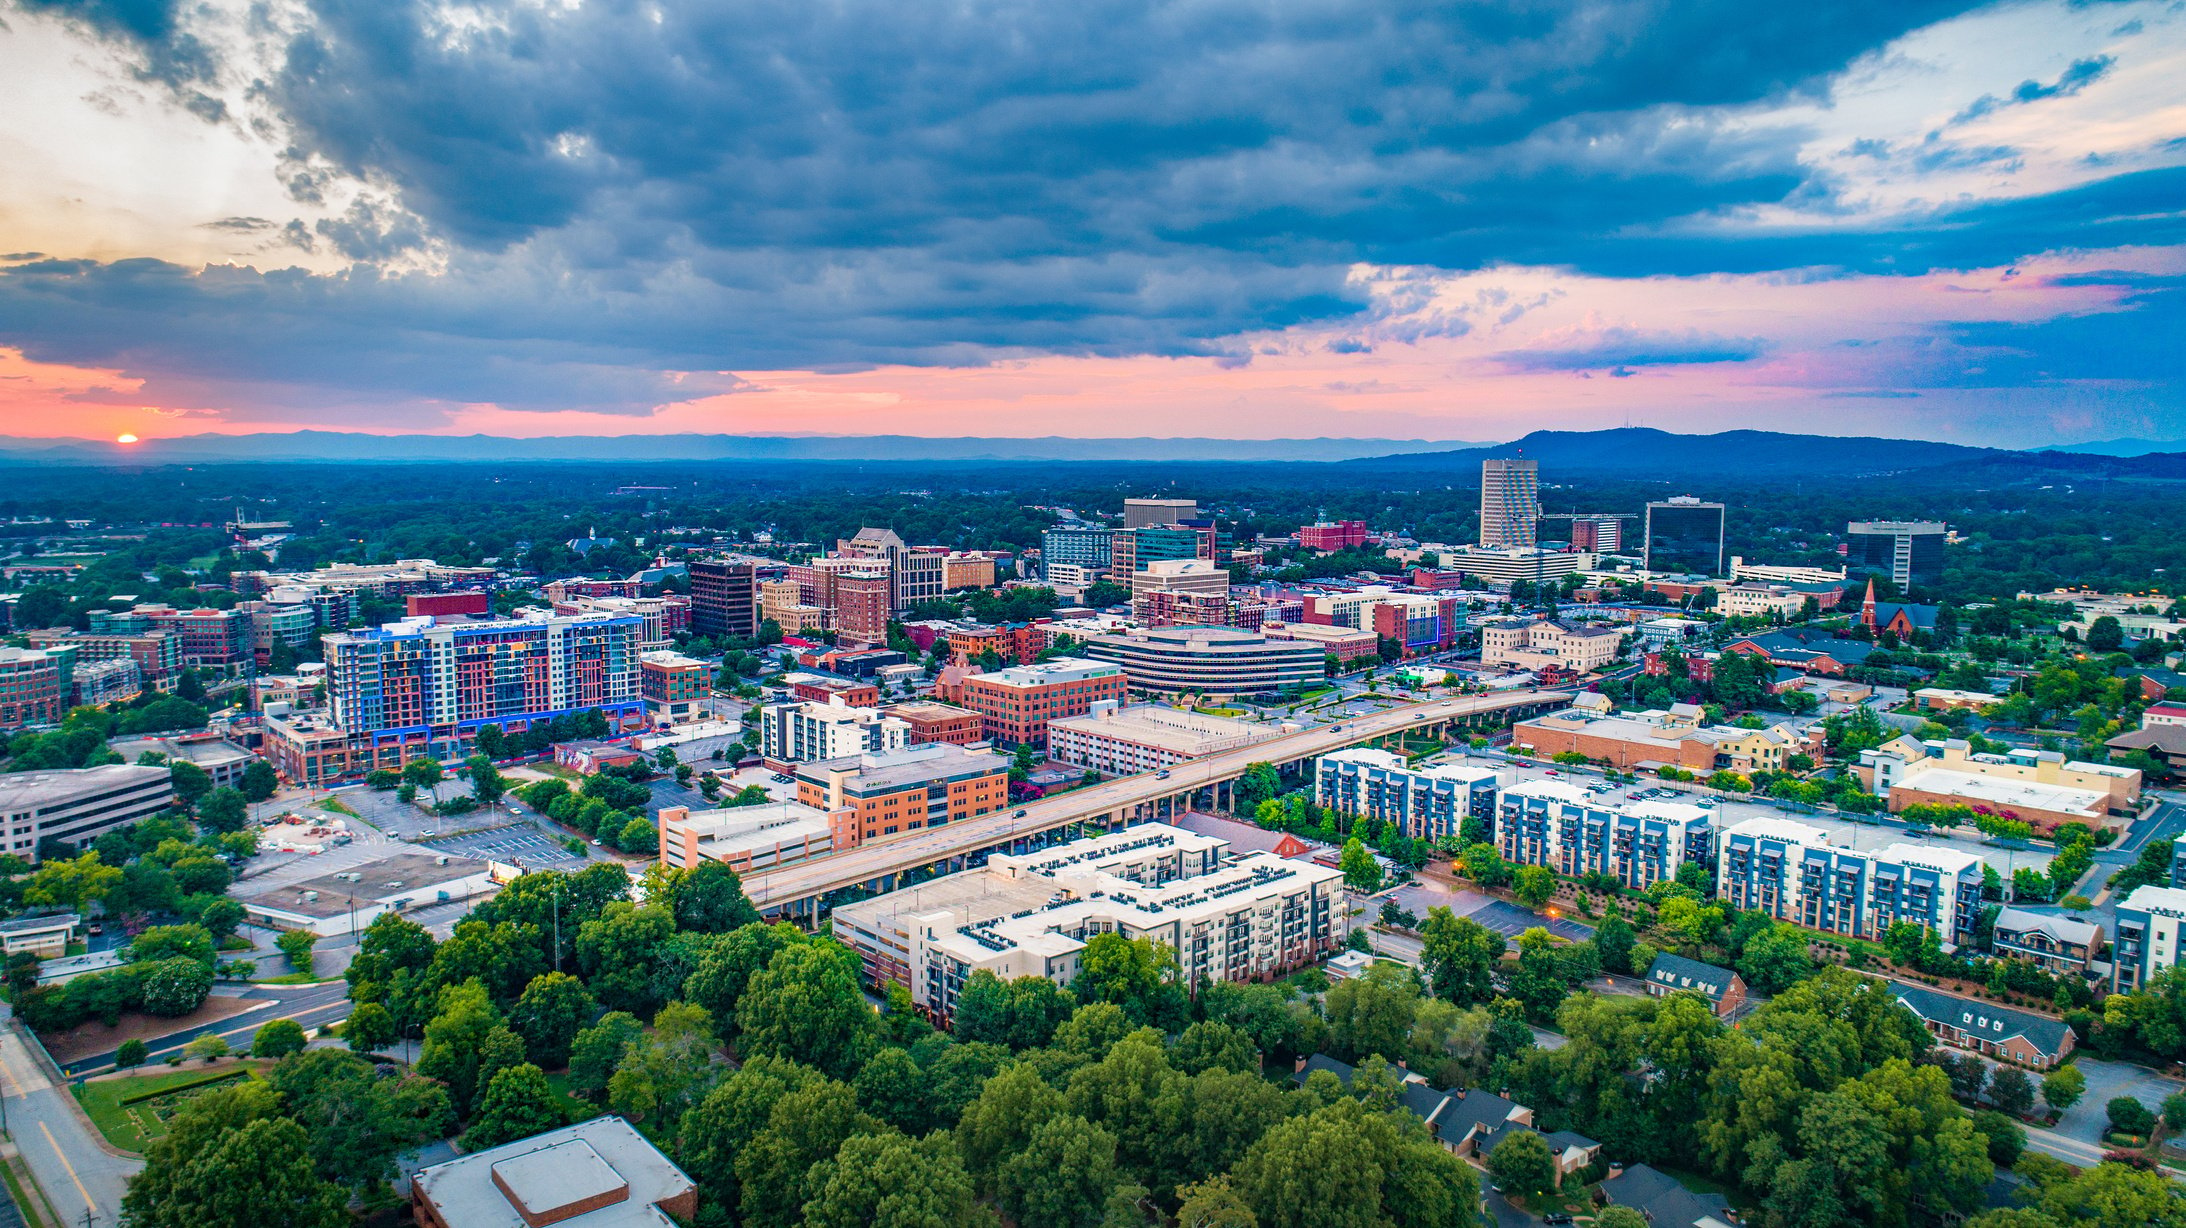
<point>310,1005</point>
<point>823,874</point>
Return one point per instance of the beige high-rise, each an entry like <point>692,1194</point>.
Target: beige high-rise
<point>1510,502</point>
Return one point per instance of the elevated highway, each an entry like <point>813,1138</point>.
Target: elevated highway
<point>798,889</point>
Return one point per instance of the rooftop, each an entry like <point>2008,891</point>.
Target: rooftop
<point>2061,928</point>
<point>1046,673</point>
<point>2003,791</point>
<point>1992,1023</point>
<point>898,769</point>
<point>599,1173</point>
<point>2169,901</point>
<point>1675,972</point>
<point>32,790</point>
<point>1186,733</point>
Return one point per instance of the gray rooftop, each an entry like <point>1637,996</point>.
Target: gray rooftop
<point>548,1175</point>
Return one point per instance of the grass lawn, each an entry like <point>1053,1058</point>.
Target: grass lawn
<point>572,1107</point>
<point>338,806</point>
<point>295,978</point>
<point>1572,1199</point>
<point>131,1126</point>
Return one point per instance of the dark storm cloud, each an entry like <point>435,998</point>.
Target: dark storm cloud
<point>619,187</point>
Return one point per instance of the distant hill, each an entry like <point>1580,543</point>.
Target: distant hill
<point>358,447</point>
<point>2122,447</point>
<point>1645,452</point>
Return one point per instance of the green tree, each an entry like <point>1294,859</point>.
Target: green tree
<point>221,918</point>
<point>1360,871</point>
<point>1212,1044</point>
<point>1258,783</point>
<point>725,970</point>
<point>999,1122</point>
<point>278,1039</point>
<point>805,1126</point>
<point>1215,1203</point>
<point>1486,866</point>
<point>1775,959</point>
<point>2062,1088</point>
<point>1061,1176</point>
<point>599,1049</point>
<point>807,1006</point>
<point>369,1028</point>
<point>1372,1013</point>
<point>889,1181</point>
<point>518,1104</point>
<point>710,899</point>
<point>211,1046</point>
<point>549,1014</point>
<point>173,942</point>
<point>175,987</point>
<point>132,1053</point>
<point>1613,940</point>
<point>1022,1013</point>
<point>189,781</point>
<point>422,773</point>
<point>259,782</point>
<point>297,944</point>
<point>358,1121</point>
<point>1458,954</point>
<point>223,810</point>
<point>667,1070</point>
<point>1320,1170</point>
<point>71,882</point>
<point>1536,885</point>
<point>229,1160</point>
<point>1620,1217</point>
<point>455,1042</point>
<point>617,951</point>
<point>486,783</point>
<point>2129,1116</point>
<point>1523,1165</point>
<point>2011,1090</point>
<point>1139,975</point>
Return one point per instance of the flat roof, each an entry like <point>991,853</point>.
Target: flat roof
<point>1062,669</point>
<point>418,874</point>
<point>2008,792</point>
<point>552,1172</point>
<point>58,786</point>
<point>1168,728</point>
<point>910,766</point>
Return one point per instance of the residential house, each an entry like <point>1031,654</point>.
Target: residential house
<point>1724,989</point>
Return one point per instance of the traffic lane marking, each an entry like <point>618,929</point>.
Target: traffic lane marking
<point>89,1206</point>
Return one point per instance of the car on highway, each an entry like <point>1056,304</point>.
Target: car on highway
<point>1163,774</point>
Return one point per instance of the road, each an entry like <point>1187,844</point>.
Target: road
<point>310,1005</point>
<point>69,1162</point>
<point>805,880</point>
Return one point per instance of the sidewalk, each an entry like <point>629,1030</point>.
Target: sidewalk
<point>75,1168</point>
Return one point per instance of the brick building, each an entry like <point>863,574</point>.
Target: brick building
<point>874,797</point>
<point>1016,704</point>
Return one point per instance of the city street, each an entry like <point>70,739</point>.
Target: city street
<point>310,1005</point>
<point>69,1161</point>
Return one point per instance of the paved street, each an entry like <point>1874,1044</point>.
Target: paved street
<point>70,1163</point>
<point>310,1005</point>
<point>2077,1137</point>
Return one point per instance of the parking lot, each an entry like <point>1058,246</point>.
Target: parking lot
<point>518,843</point>
<point>1505,918</point>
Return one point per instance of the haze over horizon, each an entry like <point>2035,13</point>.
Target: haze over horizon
<point>1944,221</point>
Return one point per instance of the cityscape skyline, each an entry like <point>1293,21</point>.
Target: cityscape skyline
<point>1933,221</point>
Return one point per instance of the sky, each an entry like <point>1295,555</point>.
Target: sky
<point>1230,218</point>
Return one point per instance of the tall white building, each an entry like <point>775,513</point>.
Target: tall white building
<point>1558,825</point>
<point>1426,803</point>
<point>1226,918</point>
<point>78,805</point>
<point>2149,925</point>
<point>810,732</point>
<point>1510,502</point>
<point>1791,871</point>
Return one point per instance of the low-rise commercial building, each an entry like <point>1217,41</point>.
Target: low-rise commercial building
<point>932,722</point>
<point>78,805</point>
<point>1119,741</point>
<point>1673,737</point>
<point>1210,660</point>
<point>1227,919</point>
<point>1547,643</point>
<point>1791,872</point>
<point>1016,704</point>
<point>2039,787</point>
<point>1425,803</point>
<point>1332,535</point>
<point>2016,1036</point>
<point>904,791</point>
<point>1347,644</point>
<point>806,732</point>
<point>599,1173</point>
<point>672,685</point>
<point>45,935</point>
<point>221,759</point>
<point>744,838</point>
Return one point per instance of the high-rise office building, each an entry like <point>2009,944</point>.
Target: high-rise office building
<point>723,598</point>
<point>1510,502</point>
<point>1078,546</point>
<point>1145,513</point>
<point>1597,534</point>
<point>1685,537</point>
<point>1910,552</point>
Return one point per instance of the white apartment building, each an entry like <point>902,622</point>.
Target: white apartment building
<point>1226,918</point>
<point>1791,871</point>
<point>1119,741</point>
<point>2149,921</point>
<point>812,731</point>
<point>1557,824</point>
<point>652,613</point>
<point>1547,643</point>
<point>1770,574</point>
<point>1426,803</point>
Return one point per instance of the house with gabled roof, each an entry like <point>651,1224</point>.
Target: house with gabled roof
<point>1724,989</point>
<point>1987,1028</point>
<point>1468,1122</point>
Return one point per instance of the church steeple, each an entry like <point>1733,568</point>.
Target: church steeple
<point>1867,606</point>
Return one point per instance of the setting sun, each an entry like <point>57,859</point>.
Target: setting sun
<point>125,437</point>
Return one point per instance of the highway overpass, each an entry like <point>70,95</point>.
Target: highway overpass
<point>798,890</point>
